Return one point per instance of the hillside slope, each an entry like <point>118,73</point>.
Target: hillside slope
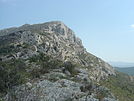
<point>51,38</point>
<point>121,85</point>
<point>47,62</point>
<point>129,70</point>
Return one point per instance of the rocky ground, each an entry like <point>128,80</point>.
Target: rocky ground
<point>59,86</point>
<point>47,62</point>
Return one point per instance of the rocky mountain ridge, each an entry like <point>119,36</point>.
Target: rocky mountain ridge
<point>56,66</point>
<point>56,39</point>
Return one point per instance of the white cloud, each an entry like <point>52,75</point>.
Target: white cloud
<point>132,26</point>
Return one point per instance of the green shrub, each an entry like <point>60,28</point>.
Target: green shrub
<point>12,73</point>
<point>6,49</point>
<point>70,67</point>
<point>35,73</point>
<point>45,63</point>
<point>25,45</point>
<point>121,86</point>
<point>101,94</point>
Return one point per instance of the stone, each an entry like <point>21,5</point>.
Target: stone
<point>53,39</point>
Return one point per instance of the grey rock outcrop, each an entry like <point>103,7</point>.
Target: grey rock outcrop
<point>59,88</point>
<point>58,41</point>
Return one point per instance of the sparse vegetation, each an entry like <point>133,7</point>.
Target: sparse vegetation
<point>101,94</point>
<point>121,86</point>
<point>7,49</point>
<point>45,62</point>
<point>21,62</point>
<point>25,45</point>
<point>70,67</point>
<point>12,73</point>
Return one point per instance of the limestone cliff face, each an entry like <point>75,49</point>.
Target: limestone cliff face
<point>56,39</point>
<point>24,52</point>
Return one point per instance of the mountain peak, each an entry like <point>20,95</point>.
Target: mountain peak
<point>55,22</point>
<point>56,39</point>
<point>51,50</point>
<point>48,62</point>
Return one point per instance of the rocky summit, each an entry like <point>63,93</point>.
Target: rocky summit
<point>47,62</point>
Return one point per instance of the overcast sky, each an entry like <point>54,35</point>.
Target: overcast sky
<point>106,27</point>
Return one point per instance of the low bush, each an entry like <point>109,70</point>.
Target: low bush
<point>45,63</point>
<point>70,67</point>
<point>121,86</point>
<point>12,73</point>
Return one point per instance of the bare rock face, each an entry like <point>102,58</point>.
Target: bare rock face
<point>58,41</point>
<point>58,90</point>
